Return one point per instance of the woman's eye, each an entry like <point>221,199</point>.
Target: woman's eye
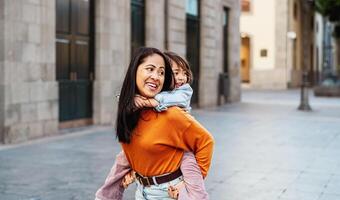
<point>149,69</point>
<point>161,73</point>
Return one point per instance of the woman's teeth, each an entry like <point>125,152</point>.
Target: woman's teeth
<point>152,85</point>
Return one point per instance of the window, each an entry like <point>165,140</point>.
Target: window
<point>137,24</point>
<point>295,11</point>
<point>192,7</point>
<point>245,5</point>
<point>225,38</point>
<point>263,53</point>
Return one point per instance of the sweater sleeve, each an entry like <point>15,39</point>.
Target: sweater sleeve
<point>195,138</point>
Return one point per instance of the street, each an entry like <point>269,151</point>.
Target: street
<point>265,150</point>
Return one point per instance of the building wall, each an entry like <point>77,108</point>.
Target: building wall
<point>176,21</point>
<point>30,107</point>
<point>268,25</point>
<point>318,50</point>
<point>154,23</point>
<point>29,100</point>
<point>295,44</point>
<point>2,70</point>
<point>112,54</point>
<point>259,24</point>
<point>233,47</point>
<point>265,25</point>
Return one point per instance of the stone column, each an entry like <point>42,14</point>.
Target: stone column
<point>29,86</point>
<point>209,70</point>
<point>234,50</point>
<point>212,50</point>
<point>176,27</point>
<point>2,71</point>
<point>112,54</point>
<point>154,24</point>
<point>279,74</point>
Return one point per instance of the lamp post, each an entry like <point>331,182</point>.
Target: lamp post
<point>304,101</point>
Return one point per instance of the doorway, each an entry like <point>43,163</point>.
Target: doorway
<point>75,61</point>
<point>245,59</point>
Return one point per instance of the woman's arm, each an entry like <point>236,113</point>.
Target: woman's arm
<point>189,135</point>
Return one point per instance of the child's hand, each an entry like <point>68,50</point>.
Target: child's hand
<point>141,102</point>
<point>128,179</point>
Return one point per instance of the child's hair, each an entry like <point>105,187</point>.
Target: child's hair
<point>182,63</point>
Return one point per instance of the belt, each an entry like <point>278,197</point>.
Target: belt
<point>155,180</point>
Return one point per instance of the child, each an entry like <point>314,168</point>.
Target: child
<point>121,175</point>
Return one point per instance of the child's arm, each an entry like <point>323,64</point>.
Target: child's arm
<point>193,180</point>
<point>113,188</point>
<point>179,97</point>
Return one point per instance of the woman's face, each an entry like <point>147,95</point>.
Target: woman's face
<point>150,76</point>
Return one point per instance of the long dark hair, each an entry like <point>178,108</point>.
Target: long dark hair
<point>128,115</point>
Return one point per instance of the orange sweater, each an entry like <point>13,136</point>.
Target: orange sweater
<point>160,139</point>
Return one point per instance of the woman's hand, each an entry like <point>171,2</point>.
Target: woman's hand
<point>173,191</point>
<point>128,179</point>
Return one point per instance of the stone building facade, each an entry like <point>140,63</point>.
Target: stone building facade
<point>277,43</point>
<point>33,49</point>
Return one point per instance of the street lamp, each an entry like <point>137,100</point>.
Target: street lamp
<point>304,102</point>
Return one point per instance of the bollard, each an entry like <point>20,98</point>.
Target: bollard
<point>304,102</point>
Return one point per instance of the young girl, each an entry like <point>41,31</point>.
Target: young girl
<point>121,175</point>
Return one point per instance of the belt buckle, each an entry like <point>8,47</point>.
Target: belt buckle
<point>140,179</point>
<point>147,180</point>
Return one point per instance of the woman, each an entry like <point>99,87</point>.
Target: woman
<point>153,142</point>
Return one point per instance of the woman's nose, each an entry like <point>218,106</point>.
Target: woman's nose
<point>155,75</point>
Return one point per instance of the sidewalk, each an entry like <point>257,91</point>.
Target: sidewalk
<point>265,150</point>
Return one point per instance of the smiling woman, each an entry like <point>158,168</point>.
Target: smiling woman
<point>150,76</point>
<point>153,150</point>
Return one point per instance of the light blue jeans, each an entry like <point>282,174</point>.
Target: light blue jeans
<point>155,192</point>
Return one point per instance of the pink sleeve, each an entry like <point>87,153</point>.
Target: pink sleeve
<point>194,184</point>
<point>112,188</point>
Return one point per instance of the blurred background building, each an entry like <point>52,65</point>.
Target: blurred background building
<point>327,37</point>
<point>62,61</point>
<point>277,40</point>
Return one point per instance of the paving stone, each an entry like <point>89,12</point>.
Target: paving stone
<point>265,150</point>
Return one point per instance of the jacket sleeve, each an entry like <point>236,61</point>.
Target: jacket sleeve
<point>194,184</point>
<point>112,188</point>
<point>179,97</point>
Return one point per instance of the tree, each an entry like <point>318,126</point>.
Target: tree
<point>331,10</point>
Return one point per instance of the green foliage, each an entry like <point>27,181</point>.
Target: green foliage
<point>329,8</point>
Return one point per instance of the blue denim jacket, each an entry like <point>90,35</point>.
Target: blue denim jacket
<point>180,97</point>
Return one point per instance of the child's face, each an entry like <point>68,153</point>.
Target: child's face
<point>180,75</point>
